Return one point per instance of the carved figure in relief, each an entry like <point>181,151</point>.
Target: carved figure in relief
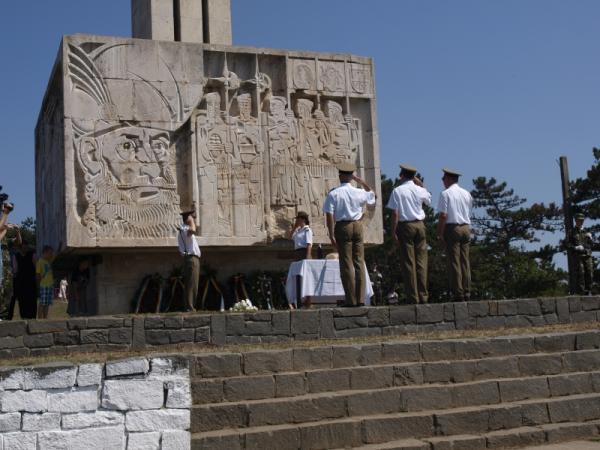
<point>247,170</point>
<point>332,78</point>
<point>130,185</point>
<point>303,76</point>
<point>130,188</point>
<point>308,135</point>
<point>323,135</point>
<point>210,132</point>
<point>282,135</point>
<point>344,134</point>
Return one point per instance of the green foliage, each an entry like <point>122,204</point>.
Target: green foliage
<point>502,224</point>
<point>585,198</point>
<point>585,194</point>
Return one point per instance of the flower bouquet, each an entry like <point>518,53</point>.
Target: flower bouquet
<point>243,306</point>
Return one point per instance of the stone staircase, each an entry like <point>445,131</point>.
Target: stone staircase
<point>500,392</point>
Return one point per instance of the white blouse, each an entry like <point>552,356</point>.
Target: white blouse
<point>302,237</point>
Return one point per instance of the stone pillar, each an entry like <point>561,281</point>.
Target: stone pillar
<point>190,24</point>
<point>199,21</point>
<point>219,22</point>
<point>153,19</point>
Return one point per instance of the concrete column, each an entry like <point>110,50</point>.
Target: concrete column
<point>190,21</point>
<point>219,22</point>
<point>153,19</point>
<point>201,21</point>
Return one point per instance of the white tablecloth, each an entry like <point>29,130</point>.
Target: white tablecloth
<point>321,281</point>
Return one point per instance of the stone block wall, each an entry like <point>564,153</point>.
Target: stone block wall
<point>134,332</point>
<point>127,404</point>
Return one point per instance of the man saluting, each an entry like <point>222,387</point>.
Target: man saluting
<point>454,231</point>
<point>343,208</point>
<point>408,230</point>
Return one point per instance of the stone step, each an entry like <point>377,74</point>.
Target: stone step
<point>223,365</point>
<point>346,403</point>
<point>379,376</point>
<point>512,438</point>
<point>380,429</point>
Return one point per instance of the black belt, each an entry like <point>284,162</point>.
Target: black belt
<point>348,221</point>
<point>410,221</point>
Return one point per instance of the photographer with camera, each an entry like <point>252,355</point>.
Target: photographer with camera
<point>6,209</point>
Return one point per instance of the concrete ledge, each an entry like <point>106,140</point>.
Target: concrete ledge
<point>134,332</point>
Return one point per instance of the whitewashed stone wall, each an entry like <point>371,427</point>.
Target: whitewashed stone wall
<point>133,404</point>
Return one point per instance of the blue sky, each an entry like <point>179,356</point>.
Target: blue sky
<point>491,88</point>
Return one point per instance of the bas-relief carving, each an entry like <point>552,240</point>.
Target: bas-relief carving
<point>130,187</point>
<point>258,158</point>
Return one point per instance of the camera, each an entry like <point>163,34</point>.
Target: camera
<point>4,204</point>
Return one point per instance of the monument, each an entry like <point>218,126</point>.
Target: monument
<point>133,130</point>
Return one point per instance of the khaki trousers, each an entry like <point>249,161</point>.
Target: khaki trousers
<point>458,238</point>
<point>413,260</point>
<point>584,268</point>
<point>349,238</point>
<point>191,278</point>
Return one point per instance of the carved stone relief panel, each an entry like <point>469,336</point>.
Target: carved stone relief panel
<point>249,139</point>
<point>332,76</point>
<point>128,167</point>
<point>304,74</point>
<point>359,76</point>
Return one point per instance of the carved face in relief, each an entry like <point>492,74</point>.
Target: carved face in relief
<point>304,108</point>
<point>245,106</point>
<point>277,108</point>
<point>131,182</point>
<point>335,112</point>
<point>138,160</point>
<point>213,106</point>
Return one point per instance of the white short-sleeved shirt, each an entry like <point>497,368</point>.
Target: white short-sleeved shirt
<point>302,237</point>
<point>407,200</point>
<point>187,242</point>
<point>456,203</point>
<point>346,202</point>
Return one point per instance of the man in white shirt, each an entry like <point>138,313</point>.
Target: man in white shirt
<point>189,249</point>
<point>408,230</point>
<point>454,232</point>
<point>344,208</point>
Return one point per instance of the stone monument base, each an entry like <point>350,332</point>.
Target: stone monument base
<point>117,275</point>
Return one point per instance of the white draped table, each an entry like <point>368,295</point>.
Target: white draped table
<point>320,280</point>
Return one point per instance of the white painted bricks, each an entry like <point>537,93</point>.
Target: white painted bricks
<point>176,440</point>
<point>41,422</point>
<point>10,422</point>
<point>92,419</point>
<point>20,441</point>
<point>143,441</point>
<point>127,367</point>
<point>145,405</point>
<point>89,439</point>
<point>74,400</point>
<point>160,419</point>
<point>178,394</point>
<point>133,394</point>
<point>29,401</point>
<point>89,374</point>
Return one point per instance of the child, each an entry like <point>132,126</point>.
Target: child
<point>45,279</point>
